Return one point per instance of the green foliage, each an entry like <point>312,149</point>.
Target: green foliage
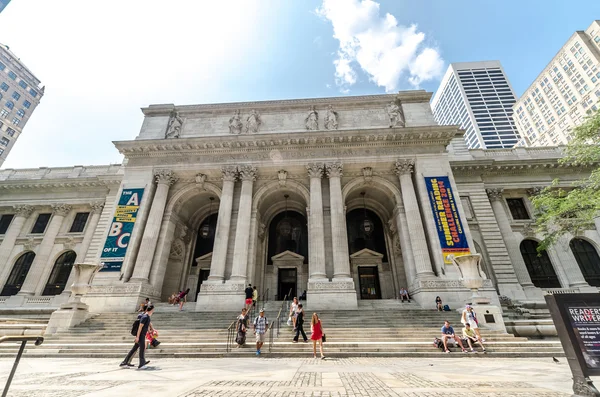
<point>561,211</point>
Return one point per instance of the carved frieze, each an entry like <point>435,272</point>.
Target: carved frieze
<point>367,173</point>
<point>331,119</point>
<point>253,122</point>
<point>200,180</point>
<point>312,120</point>
<point>29,244</point>
<point>282,176</point>
<point>235,123</point>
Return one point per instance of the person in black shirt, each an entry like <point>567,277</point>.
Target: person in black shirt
<point>248,291</point>
<point>140,340</point>
<point>299,323</point>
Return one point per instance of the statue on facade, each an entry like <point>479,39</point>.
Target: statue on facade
<point>312,120</point>
<point>253,122</point>
<point>174,126</point>
<point>235,123</point>
<point>331,119</point>
<point>396,115</point>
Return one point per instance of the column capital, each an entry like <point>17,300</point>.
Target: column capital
<point>96,207</point>
<point>61,209</point>
<point>534,191</point>
<point>23,210</point>
<point>494,194</point>
<point>315,170</point>
<point>230,172</point>
<point>334,169</point>
<point>404,166</point>
<point>164,177</point>
<point>247,172</point>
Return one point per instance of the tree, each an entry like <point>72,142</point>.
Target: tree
<point>561,211</point>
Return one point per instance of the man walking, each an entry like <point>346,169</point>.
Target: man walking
<point>248,291</point>
<point>299,324</point>
<point>140,340</point>
<point>261,326</point>
<point>254,296</point>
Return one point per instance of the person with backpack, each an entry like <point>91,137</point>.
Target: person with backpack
<point>143,325</point>
<point>261,326</point>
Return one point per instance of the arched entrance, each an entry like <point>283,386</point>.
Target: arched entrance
<point>539,265</point>
<point>588,260</point>
<point>60,273</point>
<point>205,240</point>
<point>18,274</point>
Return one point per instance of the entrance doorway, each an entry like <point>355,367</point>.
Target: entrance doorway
<point>202,277</point>
<point>287,279</point>
<point>368,277</point>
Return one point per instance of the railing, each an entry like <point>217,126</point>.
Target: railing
<point>271,336</point>
<point>283,304</point>
<point>231,333</point>
<point>23,339</point>
<point>265,295</point>
<point>555,291</point>
<point>37,301</point>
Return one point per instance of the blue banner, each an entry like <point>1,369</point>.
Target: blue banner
<point>117,241</point>
<point>445,214</point>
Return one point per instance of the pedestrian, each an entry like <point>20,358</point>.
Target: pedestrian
<point>261,326</point>
<point>140,340</point>
<point>470,317</point>
<point>299,324</point>
<point>144,305</point>
<point>182,298</point>
<point>248,291</point>
<point>471,338</point>
<point>316,334</point>
<point>254,296</point>
<point>242,325</point>
<point>293,309</point>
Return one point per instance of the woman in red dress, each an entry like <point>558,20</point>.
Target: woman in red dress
<point>316,330</point>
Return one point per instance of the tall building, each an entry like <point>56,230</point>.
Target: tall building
<point>3,4</point>
<point>478,97</point>
<point>564,93</point>
<point>19,96</point>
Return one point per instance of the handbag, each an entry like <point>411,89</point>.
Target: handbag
<point>289,321</point>
<point>324,338</point>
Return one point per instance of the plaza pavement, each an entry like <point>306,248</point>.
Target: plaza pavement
<point>251,377</point>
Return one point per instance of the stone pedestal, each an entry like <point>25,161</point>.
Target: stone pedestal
<point>339,294</point>
<point>490,317</point>
<point>216,296</point>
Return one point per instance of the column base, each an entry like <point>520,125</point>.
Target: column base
<point>490,317</point>
<point>452,292</point>
<point>122,297</point>
<point>331,295</point>
<point>67,317</point>
<point>216,296</point>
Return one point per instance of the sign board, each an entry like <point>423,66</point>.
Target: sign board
<point>119,233</point>
<point>445,214</point>
<point>577,320</point>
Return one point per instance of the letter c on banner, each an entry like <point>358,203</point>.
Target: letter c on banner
<point>121,243</point>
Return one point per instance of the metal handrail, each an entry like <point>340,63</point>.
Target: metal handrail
<point>38,340</point>
<point>285,299</point>
<point>230,335</point>
<point>271,336</point>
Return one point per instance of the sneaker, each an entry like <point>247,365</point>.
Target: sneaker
<point>447,351</point>
<point>144,364</point>
<point>126,365</point>
<point>323,358</point>
<point>465,351</point>
<point>305,340</point>
<point>294,341</point>
<point>483,340</point>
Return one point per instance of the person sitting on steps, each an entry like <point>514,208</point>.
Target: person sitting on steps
<point>404,295</point>
<point>448,335</point>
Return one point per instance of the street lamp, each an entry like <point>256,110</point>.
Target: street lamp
<point>205,230</point>
<point>367,225</point>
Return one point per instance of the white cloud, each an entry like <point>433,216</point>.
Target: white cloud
<point>383,49</point>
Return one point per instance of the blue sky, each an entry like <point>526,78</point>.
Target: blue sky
<point>103,60</point>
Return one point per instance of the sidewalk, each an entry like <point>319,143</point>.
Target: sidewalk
<point>232,377</point>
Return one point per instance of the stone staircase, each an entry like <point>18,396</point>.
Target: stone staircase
<point>377,329</point>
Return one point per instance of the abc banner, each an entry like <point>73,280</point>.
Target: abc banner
<point>445,214</point>
<point>115,247</point>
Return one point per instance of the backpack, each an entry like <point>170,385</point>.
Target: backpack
<point>134,327</point>
<point>446,308</point>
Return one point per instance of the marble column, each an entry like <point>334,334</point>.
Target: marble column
<point>95,212</point>
<point>41,267</point>
<point>143,265</point>
<point>418,242</point>
<point>407,253</point>
<point>316,238</point>
<point>22,212</point>
<point>339,234</point>
<point>242,232</point>
<point>514,252</point>
<point>217,265</point>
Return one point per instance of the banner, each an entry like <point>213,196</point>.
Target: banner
<point>445,214</point>
<point>117,241</point>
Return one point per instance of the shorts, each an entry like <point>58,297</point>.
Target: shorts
<point>473,324</point>
<point>260,338</point>
<point>249,301</point>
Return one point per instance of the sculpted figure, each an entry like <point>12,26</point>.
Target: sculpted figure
<point>331,119</point>
<point>174,126</point>
<point>395,114</point>
<point>235,123</point>
<point>312,120</point>
<point>253,122</point>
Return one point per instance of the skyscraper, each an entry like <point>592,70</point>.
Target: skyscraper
<point>3,4</point>
<point>19,96</point>
<point>564,93</point>
<point>478,97</point>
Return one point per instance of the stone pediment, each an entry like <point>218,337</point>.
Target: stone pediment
<point>366,253</point>
<point>204,258</point>
<point>287,256</point>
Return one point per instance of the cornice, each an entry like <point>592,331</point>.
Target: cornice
<point>490,167</point>
<point>25,184</point>
<point>231,144</point>
<point>351,101</point>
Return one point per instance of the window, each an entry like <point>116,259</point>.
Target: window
<point>18,274</point>
<point>16,121</point>
<point>79,222</point>
<point>1,151</point>
<point>10,131</point>
<point>16,95</point>
<point>21,113</point>
<point>5,222</point>
<point>12,75</point>
<point>467,208</point>
<point>587,259</point>
<point>26,104</point>
<point>22,84</point>
<point>4,141</point>
<point>33,92</point>
<point>60,274</point>
<point>517,208</point>
<point>4,87</point>
<point>539,266</point>
<point>40,224</point>
<point>3,113</point>
<point>9,104</point>
<point>2,66</point>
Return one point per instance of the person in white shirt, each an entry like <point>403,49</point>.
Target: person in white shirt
<point>470,317</point>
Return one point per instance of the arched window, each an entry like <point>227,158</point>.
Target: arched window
<point>587,259</point>
<point>288,232</point>
<point>60,273</point>
<point>539,266</point>
<point>9,104</point>
<point>18,274</point>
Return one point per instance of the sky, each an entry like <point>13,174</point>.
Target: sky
<point>101,61</point>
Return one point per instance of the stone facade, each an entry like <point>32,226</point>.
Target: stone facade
<point>327,195</point>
